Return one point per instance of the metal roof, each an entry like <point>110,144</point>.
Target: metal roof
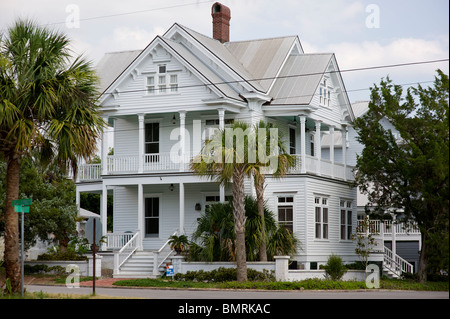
<point>299,78</point>
<point>262,58</point>
<point>112,64</point>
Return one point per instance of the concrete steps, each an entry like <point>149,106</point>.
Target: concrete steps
<point>139,265</point>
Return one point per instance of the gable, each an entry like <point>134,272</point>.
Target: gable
<point>139,82</point>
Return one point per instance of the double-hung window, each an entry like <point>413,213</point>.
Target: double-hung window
<point>286,212</point>
<point>321,217</point>
<point>346,219</point>
<point>324,94</point>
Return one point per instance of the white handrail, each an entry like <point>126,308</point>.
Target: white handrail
<point>126,251</point>
<point>156,262</point>
<point>395,263</point>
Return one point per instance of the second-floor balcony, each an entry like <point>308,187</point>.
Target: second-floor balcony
<point>167,162</point>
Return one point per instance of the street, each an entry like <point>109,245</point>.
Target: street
<point>149,293</point>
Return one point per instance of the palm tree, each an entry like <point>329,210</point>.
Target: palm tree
<point>272,158</point>
<point>224,159</point>
<point>47,103</point>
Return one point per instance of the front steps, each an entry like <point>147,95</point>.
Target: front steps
<point>139,265</point>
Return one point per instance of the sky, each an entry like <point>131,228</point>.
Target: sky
<point>362,34</point>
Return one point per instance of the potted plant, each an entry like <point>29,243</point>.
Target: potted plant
<point>178,243</point>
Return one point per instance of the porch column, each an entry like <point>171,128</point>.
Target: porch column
<point>183,140</point>
<point>331,129</point>
<point>318,145</point>
<point>141,143</point>
<point>344,150</point>
<point>140,221</point>
<point>303,143</point>
<point>104,149</point>
<point>222,127</point>
<point>181,230</point>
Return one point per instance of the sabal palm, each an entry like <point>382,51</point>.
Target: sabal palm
<point>48,103</point>
<point>226,159</point>
<point>274,159</point>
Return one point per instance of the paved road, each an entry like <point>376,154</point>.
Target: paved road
<point>241,294</point>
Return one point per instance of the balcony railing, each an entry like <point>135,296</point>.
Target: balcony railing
<point>388,228</point>
<point>165,162</point>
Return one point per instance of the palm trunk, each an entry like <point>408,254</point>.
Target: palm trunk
<point>239,221</point>
<point>259,188</point>
<point>12,261</point>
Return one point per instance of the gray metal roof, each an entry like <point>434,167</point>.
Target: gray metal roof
<point>360,107</point>
<point>112,64</point>
<point>299,78</point>
<point>262,58</point>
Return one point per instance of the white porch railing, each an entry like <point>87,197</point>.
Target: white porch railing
<point>396,264</point>
<point>324,167</point>
<point>121,256</point>
<point>382,228</point>
<point>115,241</point>
<point>89,172</point>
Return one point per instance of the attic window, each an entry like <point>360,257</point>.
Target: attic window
<point>324,93</point>
<point>162,82</point>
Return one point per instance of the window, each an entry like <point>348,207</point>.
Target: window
<point>212,126</point>
<point>213,199</point>
<point>324,94</point>
<point>311,140</point>
<point>152,217</point>
<point>292,141</point>
<point>286,212</point>
<point>152,141</point>
<point>346,219</point>
<point>321,217</point>
<point>162,82</point>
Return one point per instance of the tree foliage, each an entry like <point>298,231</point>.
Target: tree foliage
<point>408,174</point>
<point>215,239</point>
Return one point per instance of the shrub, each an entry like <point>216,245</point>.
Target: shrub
<point>223,275</point>
<point>334,268</point>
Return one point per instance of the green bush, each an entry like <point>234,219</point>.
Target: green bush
<point>334,268</point>
<point>223,275</point>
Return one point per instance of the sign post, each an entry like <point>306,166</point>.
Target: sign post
<point>93,234</point>
<point>22,206</point>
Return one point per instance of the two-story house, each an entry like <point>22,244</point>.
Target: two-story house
<point>163,102</point>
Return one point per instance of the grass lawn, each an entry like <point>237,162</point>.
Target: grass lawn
<point>311,284</point>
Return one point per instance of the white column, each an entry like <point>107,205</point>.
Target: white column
<point>183,140</point>
<point>140,221</point>
<point>105,148</point>
<point>181,230</point>
<point>344,150</point>
<point>222,127</point>
<point>318,145</point>
<point>141,143</point>
<point>303,143</point>
<point>331,129</point>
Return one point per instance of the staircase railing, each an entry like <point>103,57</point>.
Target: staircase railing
<point>157,261</point>
<point>395,263</point>
<point>121,256</point>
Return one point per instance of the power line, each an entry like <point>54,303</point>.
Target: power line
<point>292,76</point>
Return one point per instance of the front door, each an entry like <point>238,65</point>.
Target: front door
<point>152,217</point>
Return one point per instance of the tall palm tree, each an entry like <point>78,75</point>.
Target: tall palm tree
<point>47,103</point>
<point>274,159</point>
<point>224,159</point>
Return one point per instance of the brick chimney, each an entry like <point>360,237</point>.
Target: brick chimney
<point>221,22</point>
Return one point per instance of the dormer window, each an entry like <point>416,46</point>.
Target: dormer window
<point>162,82</point>
<point>324,94</point>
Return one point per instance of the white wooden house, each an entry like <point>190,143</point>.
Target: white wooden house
<point>174,93</point>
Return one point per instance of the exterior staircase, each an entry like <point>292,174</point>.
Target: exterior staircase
<point>394,265</point>
<point>139,265</point>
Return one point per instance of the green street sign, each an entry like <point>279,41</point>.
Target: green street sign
<point>21,209</point>
<point>22,202</point>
